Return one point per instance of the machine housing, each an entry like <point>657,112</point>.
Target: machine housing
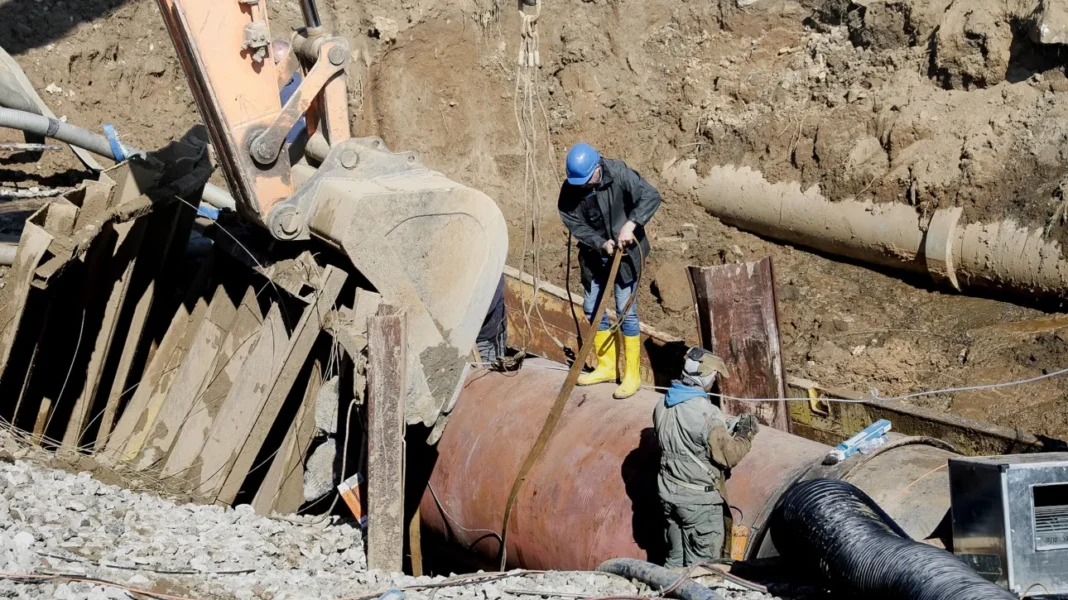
<point>1010,519</point>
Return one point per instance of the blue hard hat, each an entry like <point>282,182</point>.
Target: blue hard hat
<point>582,161</point>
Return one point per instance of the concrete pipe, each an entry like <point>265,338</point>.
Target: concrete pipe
<point>996,255</point>
<point>593,494</point>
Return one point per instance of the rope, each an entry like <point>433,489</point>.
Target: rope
<point>526,93</point>
<point>549,426</point>
<point>633,296</point>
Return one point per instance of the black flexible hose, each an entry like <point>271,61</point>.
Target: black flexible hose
<point>657,578</point>
<point>837,530</point>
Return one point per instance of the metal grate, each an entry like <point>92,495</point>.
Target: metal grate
<point>1051,527</point>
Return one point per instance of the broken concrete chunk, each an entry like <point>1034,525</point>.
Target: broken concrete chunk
<point>1051,23</point>
<point>326,406</point>
<point>319,471</point>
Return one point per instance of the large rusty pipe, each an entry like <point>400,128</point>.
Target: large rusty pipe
<point>593,494</point>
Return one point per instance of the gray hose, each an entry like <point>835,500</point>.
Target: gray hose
<point>95,143</point>
<point>657,578</point>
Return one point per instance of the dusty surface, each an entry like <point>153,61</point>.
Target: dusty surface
<point>930,103</point>
<point>60,522</point>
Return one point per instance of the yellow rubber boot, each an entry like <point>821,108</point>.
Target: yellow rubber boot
<point>632,364</point>
<point>604,343</point>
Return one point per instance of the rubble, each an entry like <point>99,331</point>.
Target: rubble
<point>72,524</point>
<point>1051,23</point>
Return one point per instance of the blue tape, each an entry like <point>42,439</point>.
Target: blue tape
<point>206,210</point>
<point>113,141</point>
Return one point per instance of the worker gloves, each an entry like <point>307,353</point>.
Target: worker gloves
<point>747,427</point>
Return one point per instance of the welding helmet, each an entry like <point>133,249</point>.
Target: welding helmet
<point>582,161</point>
<point>701,368</point>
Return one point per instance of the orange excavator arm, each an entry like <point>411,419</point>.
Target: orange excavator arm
<point>427,244</point>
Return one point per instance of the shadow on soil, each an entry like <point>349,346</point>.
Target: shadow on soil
<point>27,24</point>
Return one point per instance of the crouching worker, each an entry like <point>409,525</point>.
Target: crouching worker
<point>698,447</point>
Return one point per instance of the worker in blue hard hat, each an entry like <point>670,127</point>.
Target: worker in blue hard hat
<point>606,205</point>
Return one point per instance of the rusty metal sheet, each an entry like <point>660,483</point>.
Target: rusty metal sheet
<point>738,321</point>
<point>551,329</point>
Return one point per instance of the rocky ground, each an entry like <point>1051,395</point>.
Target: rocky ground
<point>66,533</point>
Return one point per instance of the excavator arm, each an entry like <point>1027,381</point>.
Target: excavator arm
<point>427,244</point>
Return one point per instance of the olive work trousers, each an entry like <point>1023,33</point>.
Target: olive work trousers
<point>694,533</point>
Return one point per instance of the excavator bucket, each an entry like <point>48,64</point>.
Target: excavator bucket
<point>426,243</point>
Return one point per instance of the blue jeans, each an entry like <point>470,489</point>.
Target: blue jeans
<point>623,293</point>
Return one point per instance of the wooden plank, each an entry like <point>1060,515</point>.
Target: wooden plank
<point>189,382</point>
<point>229,362</point>
<point>738,321</point>
<point>303,338</point>
<point>155,248</point>
<point>96,301</point>
<point>175,343</point>
<point>415,542</point>
<point>27,375</point>
<point>238,413</point>
<point>19,278</point>
<point>129,236</point>
<point>282,490</point>
<point>387,384</point>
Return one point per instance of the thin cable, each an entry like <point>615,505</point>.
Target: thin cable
<point>720,572</point>
<point>453,521</point>
<point>161,571</point>
<point>452,582</point>
<point>66,380</point>
<point>874,396</point>
<point>37,577</point>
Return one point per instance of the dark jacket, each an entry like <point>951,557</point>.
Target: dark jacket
<point>594,216</point>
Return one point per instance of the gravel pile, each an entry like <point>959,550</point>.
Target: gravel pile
<point>59,523</point>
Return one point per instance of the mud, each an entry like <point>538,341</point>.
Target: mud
<point>931,104</point>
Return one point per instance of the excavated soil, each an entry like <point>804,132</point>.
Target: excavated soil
<point>931,103</point>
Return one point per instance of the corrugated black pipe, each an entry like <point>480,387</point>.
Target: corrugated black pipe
<point>657,578</point>
<point>833,528</point>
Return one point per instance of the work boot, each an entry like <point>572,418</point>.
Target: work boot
<point>632,363</point>
<point>604,343</point>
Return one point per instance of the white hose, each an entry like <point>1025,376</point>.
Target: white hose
<point>95,143</point>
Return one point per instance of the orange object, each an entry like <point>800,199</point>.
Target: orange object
<point>350,493</point>
<point>740,535</point>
